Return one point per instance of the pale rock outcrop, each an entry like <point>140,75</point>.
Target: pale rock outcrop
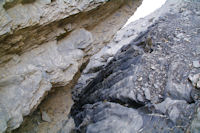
<point>27,79</point>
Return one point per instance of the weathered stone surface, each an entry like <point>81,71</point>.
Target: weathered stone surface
<point>26,14</point>
<point>123,37</point>
<point>195,79</point>
<point>30,25</point>
<point>148,77</point>
<point>139,82</point>
<point>112,117</point>
<point>33,75</point>
<point>44,44</point>
<point>57,106</point>
<point>68,127</point>
<point>195,125</point>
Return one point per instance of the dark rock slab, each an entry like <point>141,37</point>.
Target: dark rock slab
<point>145,87</point>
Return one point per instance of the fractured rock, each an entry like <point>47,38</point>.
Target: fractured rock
<point>195,79</point>
<point>161,100</point>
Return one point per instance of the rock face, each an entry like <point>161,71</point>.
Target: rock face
<point>145,79</point>
<point>144,87</point>
<point>45,44</point>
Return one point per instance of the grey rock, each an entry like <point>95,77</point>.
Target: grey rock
<point>160,98</point>
<point>164,106</point>
<point>108,122</point>
<point>138,82</point>
<point>121,38</point>
<point>196,64</point>
<point>45,117</point>
<point>174,109</point>
<point>3,118</point>
<point>104,116</point>
<point>147,94</point>
<point>195,79</point>
<point>41,11</point>
<point>195,125</point>
<point>78,39</point>
<point>68,127</point>
<point>34,77</point>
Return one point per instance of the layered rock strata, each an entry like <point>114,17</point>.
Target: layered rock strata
<point>45,43</point>
<point>148,85</point>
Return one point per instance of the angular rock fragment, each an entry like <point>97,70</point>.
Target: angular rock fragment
<point>196,64</point>
<point>195,79</point>
<point>45,117</point>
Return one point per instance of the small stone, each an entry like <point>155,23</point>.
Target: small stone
<point>194,79</point>
<point>196,64</point>
<point>45,117</point>
<point>126,105</point>
<point>109,59</point>
<point>147,94</point>
<point>174,114</point>
<point>153,67</point>
<point>197,13</point>
<point>68,27</point>
<point>140,79</point>
<point>140,98</point>
<point>160,96</point>
<point>198,84</point>
<point>156,86</point>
